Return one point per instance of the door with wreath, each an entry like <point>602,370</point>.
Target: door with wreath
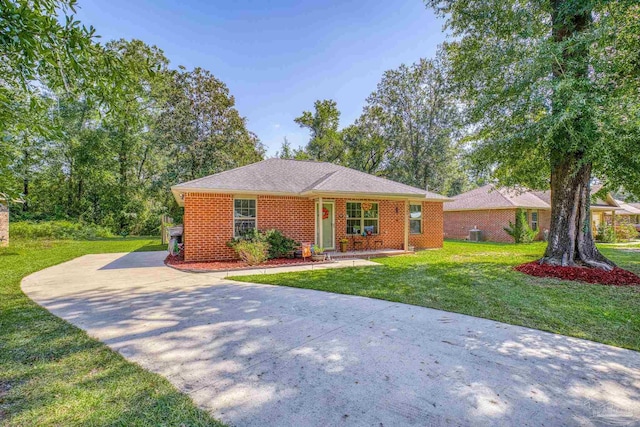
<point>327,216</point>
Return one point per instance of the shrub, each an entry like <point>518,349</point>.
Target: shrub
<point>57,230</point>
<point>253,253</point>
<point>279,245</point>
<point>606,233</point>
<point>626,232</point>
<point>251,235</point>
<point>520,231</point>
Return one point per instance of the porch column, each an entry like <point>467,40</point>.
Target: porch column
<point>319,236</point>
<point>613,219</point>
<point>406,225</point>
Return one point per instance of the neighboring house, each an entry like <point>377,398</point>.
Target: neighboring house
<point>627,213</point>
<point>309,202</point>
<point>490,209</point>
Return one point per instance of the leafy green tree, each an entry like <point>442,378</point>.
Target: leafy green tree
<point>367,148</point>
<point>42,48</point>
<point>286,152</point>
<point>323,123</point>
<point>418,120</point>
<point>202,131</point>
<point>35,46</point>
<point>98,133</point>
<point>552,91</point>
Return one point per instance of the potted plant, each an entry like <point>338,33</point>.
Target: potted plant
<point>318,253</point>
<point>344,243</point>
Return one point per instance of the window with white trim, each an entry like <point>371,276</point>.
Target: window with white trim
<point>415,219</point>
<point>362,217</point>
<point>244,215</point>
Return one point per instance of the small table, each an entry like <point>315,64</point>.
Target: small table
<point>377,244</point>
<point>356,243</point>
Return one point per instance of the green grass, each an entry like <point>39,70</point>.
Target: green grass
<point>477,279</point>
<point>52,373</point>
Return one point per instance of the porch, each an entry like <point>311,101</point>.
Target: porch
<point>366,254</point>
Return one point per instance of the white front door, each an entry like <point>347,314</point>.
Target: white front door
<point>327,216</point>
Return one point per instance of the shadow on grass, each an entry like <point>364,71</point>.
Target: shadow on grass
<point>52,373</point>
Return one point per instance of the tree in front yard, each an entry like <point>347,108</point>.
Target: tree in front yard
<point>552,93</point>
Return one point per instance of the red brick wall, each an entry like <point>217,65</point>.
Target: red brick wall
<point>492,222</point>
<point>291,215</point>
<point>432,227</point>
<point>208,223</point>
<point>544,222</point>
<point>208,226</point>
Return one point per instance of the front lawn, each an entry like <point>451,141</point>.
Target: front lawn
<point>477,279</point>
<point>52,373</point>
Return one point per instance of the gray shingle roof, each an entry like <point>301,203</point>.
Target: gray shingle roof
<point>296,177</point>
<point>627,208</point>
<point>492,197</point>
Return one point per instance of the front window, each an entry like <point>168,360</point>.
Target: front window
<point>415,219</point>
<point>534,220</point>
<point>244,215</point>
<point>362,217</point>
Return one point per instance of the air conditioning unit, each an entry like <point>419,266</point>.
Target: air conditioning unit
<point>475,235</point>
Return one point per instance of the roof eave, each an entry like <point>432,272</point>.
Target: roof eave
<point>369,195</point>
<point>475,208</point>
<point>177,191</point>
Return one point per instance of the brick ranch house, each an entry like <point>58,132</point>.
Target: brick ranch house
<point>490,209</point>
<point>308,202</point>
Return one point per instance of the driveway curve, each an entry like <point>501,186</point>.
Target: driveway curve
<point>260,355</point>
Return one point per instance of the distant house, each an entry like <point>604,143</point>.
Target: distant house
<point>490,209</point>
<point>309,202</point>
<point>627,212</point>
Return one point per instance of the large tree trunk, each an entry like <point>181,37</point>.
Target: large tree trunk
<point>570,238</point>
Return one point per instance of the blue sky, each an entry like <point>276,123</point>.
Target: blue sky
<point>278,57</point>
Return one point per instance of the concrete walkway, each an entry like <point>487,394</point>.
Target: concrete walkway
<point>258,355</point>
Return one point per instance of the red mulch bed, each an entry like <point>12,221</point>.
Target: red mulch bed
<point>616,277</point>
<point>179,263</point>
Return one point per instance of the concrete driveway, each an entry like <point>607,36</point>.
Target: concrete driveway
<point>259,355</point>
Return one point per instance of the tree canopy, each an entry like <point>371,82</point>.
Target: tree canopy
<point>551,90</point>
<point>99,133</point>
<point>409,130</point>
<point>530,95</point>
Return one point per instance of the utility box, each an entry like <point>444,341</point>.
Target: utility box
<point>176,231</point>
<point>475,235</point>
